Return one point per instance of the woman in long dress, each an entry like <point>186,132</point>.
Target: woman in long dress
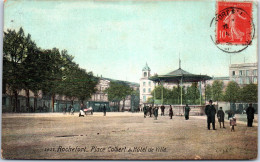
<point>231,20</point>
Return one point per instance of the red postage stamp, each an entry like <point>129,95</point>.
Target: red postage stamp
<point>234,23</point>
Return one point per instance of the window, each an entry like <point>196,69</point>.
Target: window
<point>144,98</point>
<point>247,80</point>
<point>144,90</point>
<point>145,74</point>
<point>255,80</point>
<point>149,83</point>
<point>247,72</point>
<point>255,72</point>
<point>149,90</point>
<point>143,83</point>
<point>240,81</point>
<point>240,72</point>
<point>233,73</point>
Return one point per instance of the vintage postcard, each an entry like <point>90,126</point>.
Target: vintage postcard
<point>130,80</point>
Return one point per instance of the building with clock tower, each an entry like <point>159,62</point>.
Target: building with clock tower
<point>146,85</point>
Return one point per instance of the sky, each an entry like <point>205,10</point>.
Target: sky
<point>115,39</point>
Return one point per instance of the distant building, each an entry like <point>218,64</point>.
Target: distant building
<point>101,96</point>
<point>243,74</point>
<point>146,85</point>
<point>225,81</point>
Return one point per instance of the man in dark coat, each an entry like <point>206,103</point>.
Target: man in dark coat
<point>150,110</point>
<point>145,111</point>
<point>210,111</point>
<point>250,111</point>
<point>156,112</point>
<point>187,111</point>
<point>162,110</point>
<point>221,115</point>
<point>104,110</point>
<point>170,112</point>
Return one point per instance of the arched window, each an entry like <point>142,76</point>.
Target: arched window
<point>144,90</point>
<point>144,98</point>
<point>145,74</point>
<point>149,90</point>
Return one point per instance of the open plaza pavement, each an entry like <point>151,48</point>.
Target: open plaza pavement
<point>124,135</point>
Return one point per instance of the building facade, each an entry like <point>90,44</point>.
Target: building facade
<point>100,95</point>
<point>243,74</point>
<point>146,85</point>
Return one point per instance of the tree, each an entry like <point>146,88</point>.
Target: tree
<point>118,91</point>
<point>85,84</point>
<point>217,90</point>
<point>30,68</point>
<point>159,90</point>
<point>208,91</point>
<point>231,93</point>
<point>15,50</point>
<point>135,100</point>
<point>193,93</point>
<point>249,93</point>
<point>52,69</point>
<point>175,95</point>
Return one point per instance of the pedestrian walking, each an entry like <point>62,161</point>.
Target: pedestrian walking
<point>187,111</point>
<point>64,110</point>
<point>156,112</point>
<point>104,110</point>
<point>221,116</point>
<point>82,106</point>
<point>170,112</point>
<point>81,112</point>
<point>233,123</point>
<point>72,111</point>
<point>145,111</point>
<point>210,111</point>
<point>150,110</point>
<point>162,110</point>
<point>250,111</point>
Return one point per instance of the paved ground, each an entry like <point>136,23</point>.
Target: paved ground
<point>122,136</point>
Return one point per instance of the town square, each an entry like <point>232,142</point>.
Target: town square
<point>129,80</point>
<point>33,136</point>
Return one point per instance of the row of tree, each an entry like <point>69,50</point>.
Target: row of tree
<point>216,92</point>
<point>232,93</point>
<point>190,94</point>
<point>47,71</point>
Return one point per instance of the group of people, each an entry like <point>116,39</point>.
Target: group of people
<point>210,111</point>
<point>153,111</point>
<point>70,110</point>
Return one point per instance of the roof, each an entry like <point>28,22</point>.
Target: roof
<point>146,68</point>
<point>178,72</point>
<point>220,78</point>
<point>177,75</point>
<point>127,82</point>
